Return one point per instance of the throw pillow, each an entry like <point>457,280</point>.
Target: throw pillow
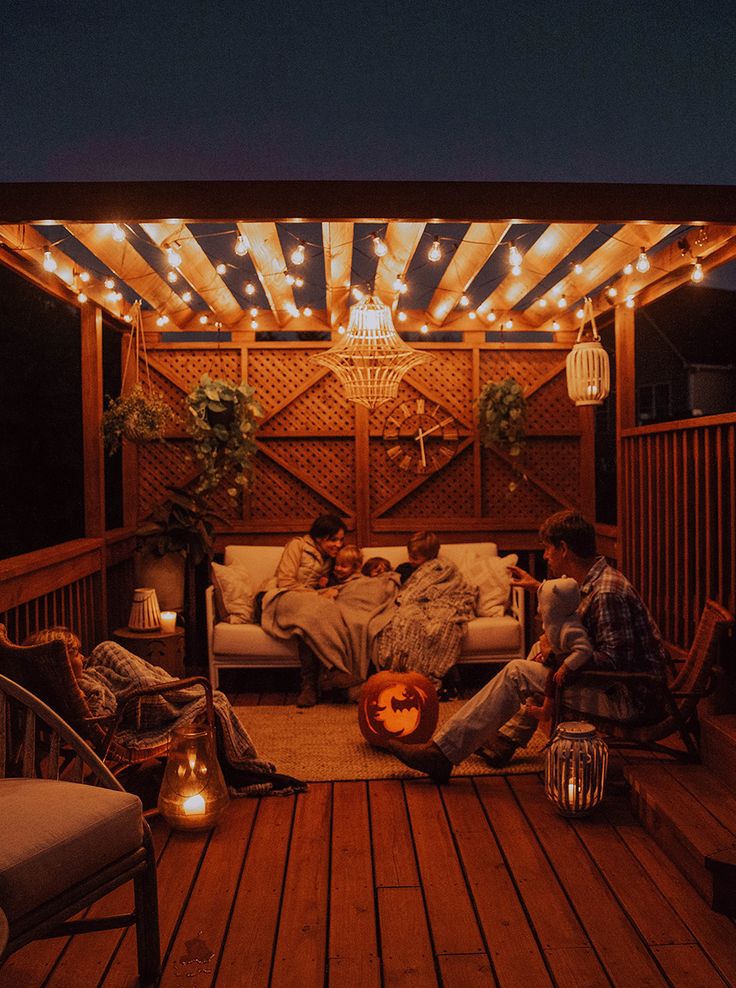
<point>491,575</point>
<point>234,593</point>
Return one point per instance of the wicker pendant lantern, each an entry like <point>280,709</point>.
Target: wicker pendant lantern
<point>575,770</point>
<point>588,372</point>
<point>371,359</point>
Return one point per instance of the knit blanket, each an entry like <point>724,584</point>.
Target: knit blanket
<point>339,631</point>
<point>111,671</point>
<point>426,630</point>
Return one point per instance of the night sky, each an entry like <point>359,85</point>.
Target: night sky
<point>479,90</point>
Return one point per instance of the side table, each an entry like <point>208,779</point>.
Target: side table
<point>158,648</point>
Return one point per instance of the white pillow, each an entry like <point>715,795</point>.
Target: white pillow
<point>490,574</point>
<point>234,593</point>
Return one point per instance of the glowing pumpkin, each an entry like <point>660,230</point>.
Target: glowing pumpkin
<point>397,705</point>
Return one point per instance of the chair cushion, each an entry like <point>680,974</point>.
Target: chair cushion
<point>56,834</point>
<point>251,639</point>
<point>492,634</point>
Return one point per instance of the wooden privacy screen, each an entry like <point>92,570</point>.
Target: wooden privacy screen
<point>320,453</point>
<point>678,520</point>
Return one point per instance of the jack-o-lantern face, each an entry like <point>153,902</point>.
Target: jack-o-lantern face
<point>397,705</point>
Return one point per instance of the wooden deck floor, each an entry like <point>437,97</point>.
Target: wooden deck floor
<point>391,883</point>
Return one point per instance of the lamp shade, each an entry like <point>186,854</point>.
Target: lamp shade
<point>145,614</point>
<point>588,368</point>
<point>193,793</point>
<point>371,358</point>
<point>575,770</point>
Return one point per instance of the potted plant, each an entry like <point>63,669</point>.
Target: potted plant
<point>502,412</point>
<point>223,421</point>
<point>137,416</point>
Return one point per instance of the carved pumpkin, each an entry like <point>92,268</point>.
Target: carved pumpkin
<point>397,705</point>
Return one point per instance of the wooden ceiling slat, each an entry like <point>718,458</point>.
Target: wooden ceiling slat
<point>542,257</point>
<point>337,239</point>
<point>402,240</point>
<point>198,269</point>
<point>127,264</point>
<point>270,264</point>
<point>29,243</point>
<point>605,262</point>
<point>481,240</point>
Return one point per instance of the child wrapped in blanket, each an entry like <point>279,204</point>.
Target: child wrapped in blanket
<point>558,601</point>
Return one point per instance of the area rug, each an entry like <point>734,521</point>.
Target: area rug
<point>324,744</point>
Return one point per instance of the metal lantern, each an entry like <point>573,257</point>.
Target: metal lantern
<point>575,771</point>
<point>193,792</point>
<point>588,370</point>
<point>371,358</point>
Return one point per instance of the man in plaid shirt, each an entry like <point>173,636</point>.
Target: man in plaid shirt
<point>624,636</point>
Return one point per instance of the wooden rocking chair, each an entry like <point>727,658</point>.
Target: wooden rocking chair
<point>45,671</point>
<point>676,702</point>
<point>64,845</point>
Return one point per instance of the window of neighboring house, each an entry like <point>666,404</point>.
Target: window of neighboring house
<point>41,451</point>
<point>654,402</point>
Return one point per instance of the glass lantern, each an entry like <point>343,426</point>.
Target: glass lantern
<point>575,771</point>
<point>193,792</point>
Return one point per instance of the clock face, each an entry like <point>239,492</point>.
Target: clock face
<point>420,436</point>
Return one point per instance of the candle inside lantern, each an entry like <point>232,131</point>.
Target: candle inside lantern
<point>572,791</point>
<point>168,622</point>
<point>193,805</point>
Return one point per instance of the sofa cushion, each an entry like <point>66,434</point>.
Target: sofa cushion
<point>491,576</point>
<point>492,634</point>
<point>55,834</point>
<point>234,593</point>
<point>251,639</point>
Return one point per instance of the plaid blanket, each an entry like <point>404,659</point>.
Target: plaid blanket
<point>426,630</point>
<point>112,670</point>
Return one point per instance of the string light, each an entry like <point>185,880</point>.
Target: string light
<point>173,256</point>
<point>172,276</point>
<point>341,330</point>
<point>82,297</point>
<point>424,328</point>
<point>203,320</point>
<point>555,325</point>
<point>435,251</point>
<point>162,320</point>
<point>117,233</point>
<point>297,255</point>
<point>403,317</point>
<point>611,291</point>
<point>629,301</point>
<point>127,317</point>
<point>241,246</point>
<point>307,311</point>
<point>562,302</point>
<point>491,317</point>
<point>254,311</point>
<point>49,262</point>
<point>221,268</point>
<point>84,276</point>
<point>109,282</point>
<point>542,303</point>
<point>357,294</point>
<point>186,296</point>
<point>464,302</point>
<point>578,269</point>
<point>379,246</point>
<point>254,324</point>
<point>299,282</point>
<point>696,274</point>
<point>628,269</point>
<point>642,262</point>
<point>514,257</point>
<point>473,314</point>
<point>290,279</point>
<point>579,313</point>
<point>509,324</point>
<point>250,288</point>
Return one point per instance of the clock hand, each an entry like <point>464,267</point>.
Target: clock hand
<point>421,449</point>
<point>440,425</point>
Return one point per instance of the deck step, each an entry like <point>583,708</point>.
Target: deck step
<point>718,745</point>
<point>692,816</point>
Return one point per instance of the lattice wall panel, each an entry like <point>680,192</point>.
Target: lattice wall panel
<point>526,505</point>
<point>527,366</point>
<point>277,494</point>
<point>161,465</point>
<point>328,465</point>
<point>550,410</point>
<point>175,399</point>
<point>190,364</point>
<point>407,394</point>
<point>323,408</point>
<point>275,374</point>
<point>557,463</point>
<point>447,492</point>
<point>450,374</point>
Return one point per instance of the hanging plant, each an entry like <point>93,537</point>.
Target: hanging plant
<point>502,414</point>
<point>141,415</point>
<point>223,421</point>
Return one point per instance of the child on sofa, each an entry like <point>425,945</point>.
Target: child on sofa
<point>345,568</point>
<point>558,601</point>
<point>421,547</point>
<point>376,566</point>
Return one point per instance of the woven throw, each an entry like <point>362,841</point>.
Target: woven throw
<point>324,744</point>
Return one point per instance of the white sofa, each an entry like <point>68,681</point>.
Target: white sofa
<point>235,646</point>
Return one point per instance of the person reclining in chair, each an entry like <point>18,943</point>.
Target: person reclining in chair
<point>624,637</point>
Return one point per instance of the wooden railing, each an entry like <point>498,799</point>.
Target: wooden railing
<point>678,518</point>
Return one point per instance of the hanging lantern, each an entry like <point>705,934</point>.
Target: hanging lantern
<point>398,706</point>
<point>371,358</point>
<point>588,373</point>
<point>575,771</point>
<point>145,614</point>
<point>193,792</point>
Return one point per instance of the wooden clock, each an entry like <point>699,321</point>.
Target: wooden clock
<point>420,435</point>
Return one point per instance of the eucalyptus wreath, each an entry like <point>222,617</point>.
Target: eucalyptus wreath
<point>223,421</point>
<point>502,415</point>
<point>140,416</point>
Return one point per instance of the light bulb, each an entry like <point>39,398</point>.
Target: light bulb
<point>109,282</point>
<point>579,313</point>
<point>221,268</point>
<point>435,251</point>
<point>379,246</point>
<point>111,297</point>
<point>628,269</point>
<point>578,269</point>
<point>491,316</point>
<point>162,320</point>
<point>509,324</point>
<point>250,288</point>
<point>555,325</point>
<point>629,301</point>
<point>612,292</point>
<point>84,276</point>
<point>49,261</point>
<point>173,257</point>
<point>254,324</point>
<point>127,317</point>
<point>297,255</point>
<point>397,284</point>
<point>697,273</point>
<point>290,279</point>
<point>341,330</point>
<point>514,256</point>
<point>404,288</point>
<point>464,302</point>
<point>203,320</point>
<point>403,317</point>
<point>241,246</point>
<point>424,328</point>
<point>117,296</point>
<point>254,311</point>
<point>307,311</point>
<point>82,297</point>
<point>172,276</point>
<point>516,270</point>
<point>562,302</point>
<point>186,296</point>
<point>357,294</point>
<point>543,303</point>
<point>642,262</point>
<point>472,315</point>
<point>299,282</point>
<point>118,234</point>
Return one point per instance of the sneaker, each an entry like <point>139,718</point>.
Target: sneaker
<point>498,752</point>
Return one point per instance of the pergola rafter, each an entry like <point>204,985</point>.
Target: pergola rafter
<point>477,246</point>
<point>270,264</point>
<point>337,239</point>
<point>402,240</point>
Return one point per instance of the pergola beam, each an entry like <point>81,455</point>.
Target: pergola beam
<point>477,246</point>
<point>337,239</point>
<point>268,259</point>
